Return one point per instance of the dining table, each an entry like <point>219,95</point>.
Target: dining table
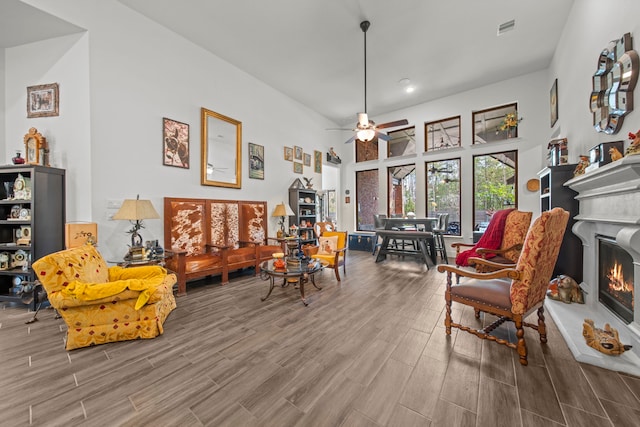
<point>417,231</point>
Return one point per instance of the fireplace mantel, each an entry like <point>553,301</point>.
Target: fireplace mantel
<point>610,206</point>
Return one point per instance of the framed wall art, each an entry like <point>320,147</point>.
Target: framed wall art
<point>175,143</point>
<point>297,153</point>
<point>256,161</point>
<point>442,134</point>
<point>307,159</point>
<point>43,100</point>
<point>297,167</point>
<point>288,154</point>
<point>553,102</point>
<point>317,161</point>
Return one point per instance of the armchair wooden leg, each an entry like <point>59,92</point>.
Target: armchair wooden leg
<point>542,328</point>
<point>521,347</point>
<point>447,299</point>
<point>336,269</point>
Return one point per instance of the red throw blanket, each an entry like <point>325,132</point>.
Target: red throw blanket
<point>491,239</point>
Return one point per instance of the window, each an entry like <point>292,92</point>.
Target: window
<point>401,190</point>
<point>495,179</point>
<point>366,198</point>
<point>495,124</point>
<point>442,134</point>
<point>402,142</point>
<point>366,150</point>
<point>443,191</point>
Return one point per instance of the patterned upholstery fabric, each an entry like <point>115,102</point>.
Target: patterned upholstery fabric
<point>93,318</point>
<point>538,259</point>
<point>342,239</point>
<point>515,230</point>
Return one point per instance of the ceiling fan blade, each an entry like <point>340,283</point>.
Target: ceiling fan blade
<point>393,124</point>
<point>338,129</point>
<point>383,136</point>
<point>350,140</point>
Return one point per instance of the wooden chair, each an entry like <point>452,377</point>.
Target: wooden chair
<point>335,257</point>
<point>514,299</point>
<point>515,229</point>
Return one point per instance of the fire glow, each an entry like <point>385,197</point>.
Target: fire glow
<point>617,283</point>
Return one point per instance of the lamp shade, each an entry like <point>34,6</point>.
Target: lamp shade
<point>366,134</point>
<point>136,209</point>
<point>282,209</point>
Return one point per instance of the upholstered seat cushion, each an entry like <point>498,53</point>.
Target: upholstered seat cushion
<point>494,292</point>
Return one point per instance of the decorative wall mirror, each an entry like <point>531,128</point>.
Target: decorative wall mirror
<point>221,152</point>
<point>495,124</point>
<point>441,134</point>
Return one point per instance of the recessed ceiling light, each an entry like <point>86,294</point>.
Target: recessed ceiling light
<point>506,26</point>
<point>409,89</point>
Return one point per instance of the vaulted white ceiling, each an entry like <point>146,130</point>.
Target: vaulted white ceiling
<point>313,50</point>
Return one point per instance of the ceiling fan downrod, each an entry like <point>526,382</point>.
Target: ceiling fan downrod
<point>364,25</point>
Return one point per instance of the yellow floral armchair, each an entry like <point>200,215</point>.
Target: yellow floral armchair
<point>331,248</point>
<point>102,304</point>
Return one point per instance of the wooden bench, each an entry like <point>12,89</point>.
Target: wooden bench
<point>207,237</point>
<point>422,239</point>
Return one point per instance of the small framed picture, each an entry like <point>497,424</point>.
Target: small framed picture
<point>317,161</point>
<point>297,153</point>
<point>256,161</point>
<point>175,137</point>
<point>307,159</point>
<point>43,100</point>
<point>297,167</point>
<point>288,153</point>
<point>553,102</point>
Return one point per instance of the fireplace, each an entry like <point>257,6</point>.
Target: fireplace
<point>615,278</point>
<point>609,227</point>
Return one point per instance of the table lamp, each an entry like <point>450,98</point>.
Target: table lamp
<point>282,210</point>
<point>135,211</point>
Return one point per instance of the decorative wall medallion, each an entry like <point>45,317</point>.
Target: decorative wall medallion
<point>613,84</point>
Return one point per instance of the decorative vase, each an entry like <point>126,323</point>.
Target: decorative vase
<point>18,160</point>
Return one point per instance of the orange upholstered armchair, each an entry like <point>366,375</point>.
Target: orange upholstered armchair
<point>331,248</point>
<point>511,293</point>
<point>506,254</point>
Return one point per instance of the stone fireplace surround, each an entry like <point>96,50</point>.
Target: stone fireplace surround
<point>609,205</point>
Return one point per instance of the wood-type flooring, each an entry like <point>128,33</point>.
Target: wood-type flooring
<point>368,351</point>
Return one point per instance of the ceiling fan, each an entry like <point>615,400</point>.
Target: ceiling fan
<point>434,169</point>
<point>366,129</point>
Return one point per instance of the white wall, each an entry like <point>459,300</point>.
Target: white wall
<point>587,32</point>
<point>136,73</point>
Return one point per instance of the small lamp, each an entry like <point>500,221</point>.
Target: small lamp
<point>282,210</point>
<point>136,210</point>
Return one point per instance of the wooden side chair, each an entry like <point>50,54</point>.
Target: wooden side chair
<point>511,293</point>
<point>320,227</point>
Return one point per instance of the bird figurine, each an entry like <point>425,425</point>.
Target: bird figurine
<point>634,148</point>
<point>582,165</point>
<point>615,154</point>
<point>308,182</point>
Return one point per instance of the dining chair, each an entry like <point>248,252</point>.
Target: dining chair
<point>511,294</point>
<point>438,234</point>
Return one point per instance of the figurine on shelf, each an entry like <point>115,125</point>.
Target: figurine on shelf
<point>308,182</point>
<point>582,165</point>
<point>333,153</point>
<point>634,148</point>
<point>615,154</point>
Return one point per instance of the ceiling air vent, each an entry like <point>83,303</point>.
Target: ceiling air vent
<point>506,26</point>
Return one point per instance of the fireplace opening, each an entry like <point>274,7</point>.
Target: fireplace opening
<point>615,278</point>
